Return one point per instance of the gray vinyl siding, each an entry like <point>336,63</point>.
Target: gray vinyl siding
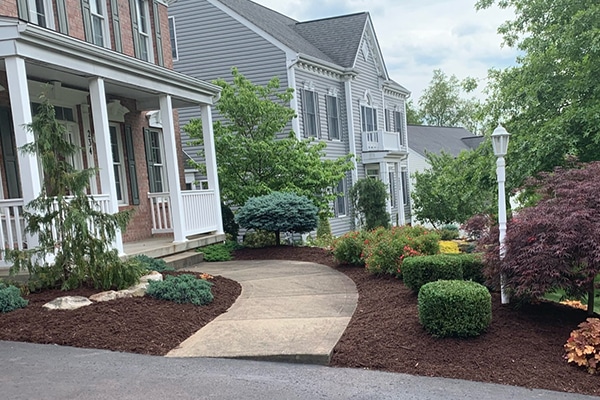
<point>210,43</point>
<point>323,86</point>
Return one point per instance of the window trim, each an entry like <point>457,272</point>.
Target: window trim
<point>333,120</point>
<point>144,36</point>
<point>104,18</point>
<point>315,113</point>
<point>173,38</point>
<point>121,165</point>
<point>363,117</point>
<point>336,204</point>
<point>48,14</point>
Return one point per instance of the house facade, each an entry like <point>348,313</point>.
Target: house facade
<point>343,94</point>
<point>106,66</point>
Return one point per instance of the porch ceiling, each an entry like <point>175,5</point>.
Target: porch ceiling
<point>53,57</point>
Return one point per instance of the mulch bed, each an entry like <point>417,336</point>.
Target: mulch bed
<point>523,346</point>
<point>137,325</point>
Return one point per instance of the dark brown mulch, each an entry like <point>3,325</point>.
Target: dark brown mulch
<point>138,325</point>
<point>522,347</point>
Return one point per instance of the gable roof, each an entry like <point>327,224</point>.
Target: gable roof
<point>334,40</point>
<point>435,139</point>
<point>338,37</point>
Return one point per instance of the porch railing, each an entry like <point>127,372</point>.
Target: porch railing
<point>12,227</point>
<point>199,210</point>
<point>383,141</point>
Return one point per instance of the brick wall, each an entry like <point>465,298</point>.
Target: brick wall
<point>9,9</point>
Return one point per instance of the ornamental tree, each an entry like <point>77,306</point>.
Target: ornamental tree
<point>257,153</point>
<point>279,212</point>
<point>368,197</point>
<point>556,243</point>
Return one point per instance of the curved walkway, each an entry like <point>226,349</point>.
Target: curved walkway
<point>287,311</point>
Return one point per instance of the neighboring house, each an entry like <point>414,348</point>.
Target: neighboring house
<point>343,93</point>
<point>106,66</point>
<point>425,139</point>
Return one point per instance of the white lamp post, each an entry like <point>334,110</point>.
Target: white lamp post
<point>500,139</point>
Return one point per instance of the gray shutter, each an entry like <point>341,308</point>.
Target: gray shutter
<point>317,115</point>
<point>133,182</point>
<point>23,9</point>
<point>63,19</point>
<point>116,24</point>
<point>134,28</point>
<point>87,20</point>
<point>304,114</point>
<point>150,160</point>
<point>157,34</point>
<point>9,155</point>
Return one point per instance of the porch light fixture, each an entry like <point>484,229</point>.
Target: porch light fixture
<point>500,139</point>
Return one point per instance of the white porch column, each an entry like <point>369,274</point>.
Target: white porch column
<point>400,194</point>
<point>384,172</point>
<point>211,160</point>
<point>104,149</point>
<point>171,157</point>
<point>29,172</point>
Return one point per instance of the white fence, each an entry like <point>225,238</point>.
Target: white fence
<point>12,227</point>
<point>199,210</point>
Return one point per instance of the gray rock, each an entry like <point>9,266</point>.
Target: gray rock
<point>152,276</point>
<point>68,303</point>
<point>105,296</point>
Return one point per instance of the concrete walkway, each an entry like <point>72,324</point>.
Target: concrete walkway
<point>288,311</point>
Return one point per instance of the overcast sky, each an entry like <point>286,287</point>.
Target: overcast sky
<point>418,36</point>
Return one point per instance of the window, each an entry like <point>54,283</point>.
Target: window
<point>173,36</point>
<point>97,16</point>
<point>142,30</point>
<point>373,173</point>
<point>333,117</point>
<point>369,118</point>
<point>399,124</point>
<point>155,159</point>
<point>310,105</point>
<point>116,142</point>
<point>392,188</point>
<point>39,12</point>
<point>405,188</point>
<point>340,200</point>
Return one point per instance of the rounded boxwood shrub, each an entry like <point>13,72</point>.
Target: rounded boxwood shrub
<point>181,289</point>
<point>455,308</point>
<point>472,267</point>
<point>10,298</point>
<point>417,271</point>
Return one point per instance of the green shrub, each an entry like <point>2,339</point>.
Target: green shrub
<point>230,227</point>
<point>368,198</point>
<point>279,212</point>
<point>417,271</point>
<point>153,264</point>
<point>119,275</point>
<point>259,238</point>
<point>348,248</point>
<point>472,267</point>
<point>219,252</point>
<point>10,298</point>
<point>448,232</point>
<point>181,289</point>
<point>455,308</point>
<point>386,249</point>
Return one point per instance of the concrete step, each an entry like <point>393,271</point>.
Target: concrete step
<point>183,260</point>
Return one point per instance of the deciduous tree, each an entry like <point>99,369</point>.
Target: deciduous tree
<point>256,154</point>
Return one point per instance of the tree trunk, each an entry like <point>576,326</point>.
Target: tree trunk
<point>591,298</point>
<point>277,238</point>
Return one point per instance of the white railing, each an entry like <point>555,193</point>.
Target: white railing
<point>383,141</point>
<point>199,210</point>
<point>12,227</point>
<point>160,207</point>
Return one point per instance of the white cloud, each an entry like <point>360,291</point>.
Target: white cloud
<point>418,36</point>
